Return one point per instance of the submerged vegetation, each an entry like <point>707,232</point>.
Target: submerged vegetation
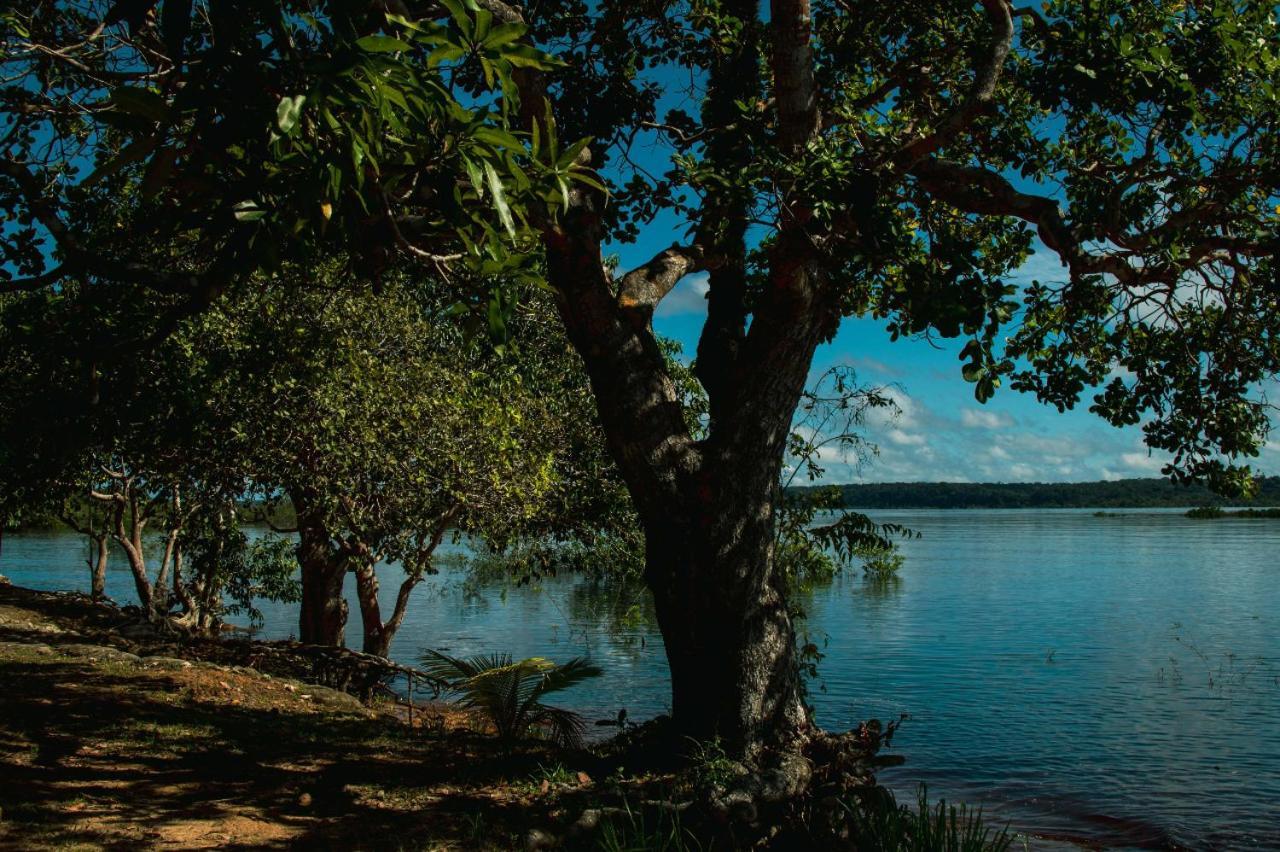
<point>1213,512</point>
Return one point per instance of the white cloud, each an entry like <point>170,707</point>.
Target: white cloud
<point>904,439</point>
<point>974,419</point>
<point>687,297</point>
<point>1141,462</point>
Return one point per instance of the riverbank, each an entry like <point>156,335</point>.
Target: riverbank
<point>110,738</point>
<point>104,747</point>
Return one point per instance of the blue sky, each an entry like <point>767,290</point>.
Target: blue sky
<point>941,432</point>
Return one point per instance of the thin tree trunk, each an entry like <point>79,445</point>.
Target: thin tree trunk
<point>98,572</point>
<point>376,641</point>
<point>378,634</point>
<point>130,541</point>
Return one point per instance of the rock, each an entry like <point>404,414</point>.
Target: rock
<point>166,663</point>
<point>585,824</point>
<point>539,839</point>
<point>4,581</point>
<point>735,806</point>
<point>137,630</point>
<point>104,653</point>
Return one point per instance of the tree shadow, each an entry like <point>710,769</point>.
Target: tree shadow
<point>92,752</point>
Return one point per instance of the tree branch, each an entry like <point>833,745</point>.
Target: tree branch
<point>644,287</point>
<point>984,88</point>
<point>978,190</point>
<point>796,94</point>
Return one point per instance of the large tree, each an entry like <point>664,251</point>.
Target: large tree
<point>838,158</point>
<point>901,160</point>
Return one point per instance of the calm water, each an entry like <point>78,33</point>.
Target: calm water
<point>1114,679</point>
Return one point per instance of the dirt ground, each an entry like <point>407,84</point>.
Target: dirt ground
<point>102,748</point>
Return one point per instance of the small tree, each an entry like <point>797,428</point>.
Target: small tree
<point>387,430</point>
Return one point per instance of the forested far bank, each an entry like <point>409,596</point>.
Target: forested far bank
<point>1119,494</point>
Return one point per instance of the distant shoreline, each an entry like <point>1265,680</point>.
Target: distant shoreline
<point>1117,494</point>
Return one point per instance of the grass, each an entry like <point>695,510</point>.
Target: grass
<point>883,825</point>
<point>633,831</point>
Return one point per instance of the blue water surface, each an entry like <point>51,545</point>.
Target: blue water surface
<point>1112,679</point>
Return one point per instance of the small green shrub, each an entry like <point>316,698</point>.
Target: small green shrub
<point>1206,512</point>
<point>882,825</point>
<point>880,562</point>
<point>508,693</point>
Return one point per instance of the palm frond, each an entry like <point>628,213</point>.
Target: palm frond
<point>454,669</point>
<point>569,674</point>
<point>563,727</point>
<point>508,693</point>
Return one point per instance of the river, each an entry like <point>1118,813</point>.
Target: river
<point>1113,679</point>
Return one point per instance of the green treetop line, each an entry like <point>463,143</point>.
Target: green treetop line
<point>1120,494</point>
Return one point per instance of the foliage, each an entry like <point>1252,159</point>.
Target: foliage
<point>1213,512</point>
<point>244,135</point>
<point>880,824</point>
<point>509,693</point>
<point>830,417</point>
<point>879,563</point>
<point>637,831</point>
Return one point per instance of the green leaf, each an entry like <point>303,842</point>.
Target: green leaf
<point>445,53</point>
<point>248,211</point>
<point>499,199</point>
<point>498,138</point>
<point>288,113</point>
<point>526,56</point>
<point>382,44</point>
<point>571,153</point>
<point>460,17</point>
<point>140,102</point>
<point>476,175</point>
<point>502,35</point>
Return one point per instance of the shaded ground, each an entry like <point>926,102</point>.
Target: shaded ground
<point>100,748</point>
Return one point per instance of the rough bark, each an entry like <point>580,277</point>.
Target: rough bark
<point>322,618</point>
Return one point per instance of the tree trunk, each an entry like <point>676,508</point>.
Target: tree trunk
<point>322,618</point>
<point>377,633</point>
<point>722,609</point>
<point>376,639</point>
<point>98,567</point>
